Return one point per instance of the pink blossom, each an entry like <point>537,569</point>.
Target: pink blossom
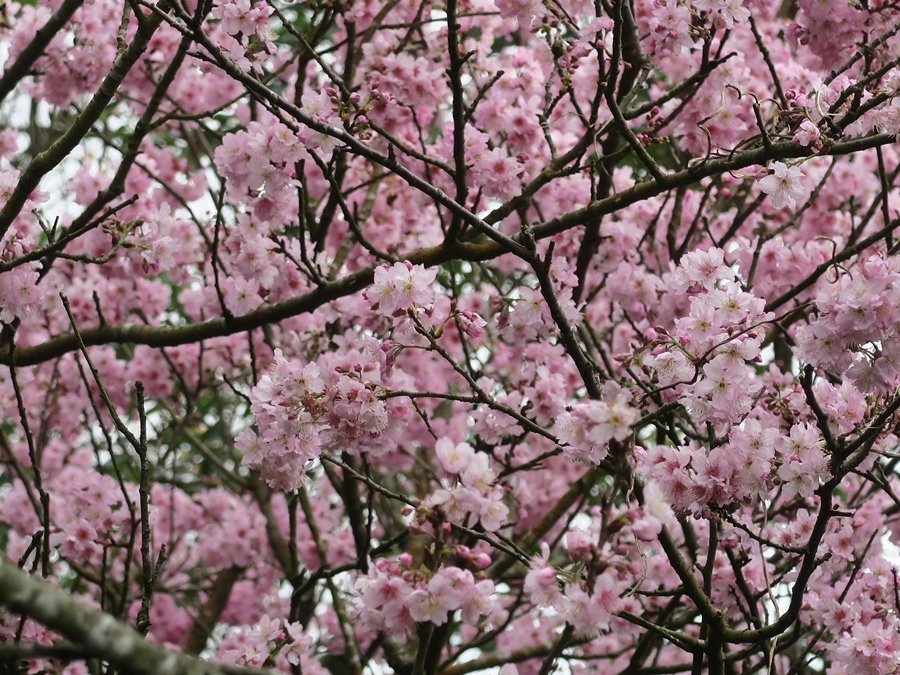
<point>589,427</point>
<point>523,10</point>
<point>401,286</point>
<point>784,185</point>
<point>241,295</point>
<point>433,371</point>
<point>454,457</point>
<point>807,133</point>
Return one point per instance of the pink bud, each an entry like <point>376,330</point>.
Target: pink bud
<point>579,544</point>
<point>481,560</point>
<point>546,576</point>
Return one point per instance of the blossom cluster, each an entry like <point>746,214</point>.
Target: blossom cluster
<point>302,410</point>
<point>745,468</point>
<point>589,426</point>
<point>855,331</point>
<point>395,597</point>
<point>476,495</point>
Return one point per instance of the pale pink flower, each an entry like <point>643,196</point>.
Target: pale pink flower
<point>454,457</point>
<point>401,286</point>
<point>784,185</point>
<point>807,133</point>
<point>241,295</point>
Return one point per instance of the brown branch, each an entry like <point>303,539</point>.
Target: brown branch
<point>211,610</point>
<point>98,633</point>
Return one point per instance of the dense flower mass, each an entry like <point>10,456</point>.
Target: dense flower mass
<point>450,336</point>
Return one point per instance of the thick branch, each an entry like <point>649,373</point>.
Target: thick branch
<point>98,633</point>
<point>212,609</point>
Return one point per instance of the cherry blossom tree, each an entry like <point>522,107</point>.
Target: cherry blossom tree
<point>423,337</point>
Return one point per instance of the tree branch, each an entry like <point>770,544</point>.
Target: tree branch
<point>97,632</point>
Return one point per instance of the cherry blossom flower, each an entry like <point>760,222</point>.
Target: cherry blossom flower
<point>454,457</point>
<point>401,286</point>
<point>784,185</point>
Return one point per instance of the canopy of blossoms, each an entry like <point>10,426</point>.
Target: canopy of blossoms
<point>450,336</point>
